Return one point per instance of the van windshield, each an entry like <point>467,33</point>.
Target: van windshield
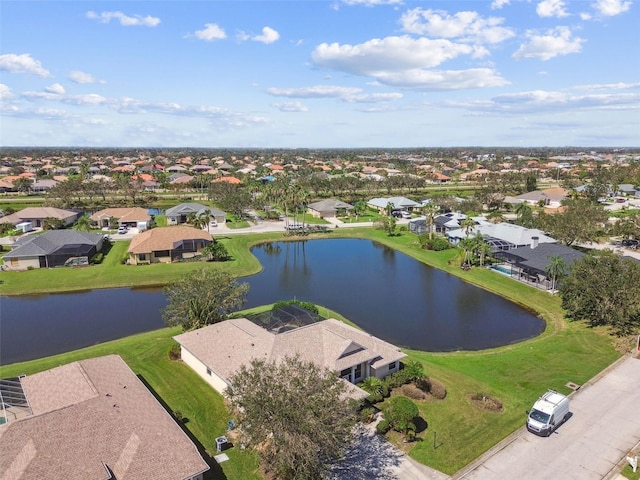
<point>539,416</point>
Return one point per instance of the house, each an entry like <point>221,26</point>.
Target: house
<point>530,263</point>
<point>54,248</point>
<point>399,203</point>
<point>180,213</point>
<point>328,208</point>
<point>167,244</point>
<point>551,197</point>
<point>503,236</point>
<point>125,216</point>
<point>36,216</point>
<point>217,351</point>
<point>91,419</point>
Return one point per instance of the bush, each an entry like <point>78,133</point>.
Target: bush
<point>311,307</point>
<point>399,412</point>
<point>436,244</point>
<point>413,392</point>
<point>383,427</point>
<point>375,398</point>
<point>97,258</point>
<point>433,387</point>
<point>366,415</point>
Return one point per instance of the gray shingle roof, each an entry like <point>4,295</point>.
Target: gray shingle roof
<point>51,241</point>
<point>539,258</point>
<point>187,208</point>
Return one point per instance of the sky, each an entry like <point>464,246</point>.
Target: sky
<point>320,74</point>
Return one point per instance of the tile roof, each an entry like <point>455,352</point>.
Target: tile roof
<point>186,208</point>
<point>90,416</point>
<point>398,202</point>
<point>225,346</point>
<point>329,204</point>
<point>508,232</point>
<point>165,238</point>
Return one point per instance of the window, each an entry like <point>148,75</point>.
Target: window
<point>143,257</point>
<point>208,371</point>
<point>358,372</point>
<point>392,366</point>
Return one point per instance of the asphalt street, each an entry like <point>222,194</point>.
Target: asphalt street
<point>603,428</point>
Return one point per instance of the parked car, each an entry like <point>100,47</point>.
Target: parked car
<point>213,223</point>
<point>630,243</point>
<point>549,412</point>
<point>122,230</point>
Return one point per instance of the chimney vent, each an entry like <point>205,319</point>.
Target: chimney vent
<point>534,242</point>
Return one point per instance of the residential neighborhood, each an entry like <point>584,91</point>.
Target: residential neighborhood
<point>531,228</point>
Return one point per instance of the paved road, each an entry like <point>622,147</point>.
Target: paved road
<point>604,426</point>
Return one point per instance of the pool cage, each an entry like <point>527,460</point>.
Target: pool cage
<point>13,401</point>
<point>285,318</point>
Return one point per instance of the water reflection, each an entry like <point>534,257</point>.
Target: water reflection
<point>387,293</point>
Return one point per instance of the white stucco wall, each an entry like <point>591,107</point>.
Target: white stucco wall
<point>197,366</point>
<point>23,263</point>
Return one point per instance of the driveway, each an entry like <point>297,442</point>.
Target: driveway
<point>603,428</point>
<point>371,457</point>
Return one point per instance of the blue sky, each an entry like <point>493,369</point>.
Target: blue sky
<point>320,74</point>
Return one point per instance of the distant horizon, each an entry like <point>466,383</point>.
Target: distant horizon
<point>321,74</point>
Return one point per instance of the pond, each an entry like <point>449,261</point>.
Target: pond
<point>387,293</point>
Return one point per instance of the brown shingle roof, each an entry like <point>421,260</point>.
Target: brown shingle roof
<point>123,214</point>
<point>225,346</point>
<point>93,414</point>
<point>165,238</point>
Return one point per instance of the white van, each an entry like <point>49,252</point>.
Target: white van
<point>548,413</point>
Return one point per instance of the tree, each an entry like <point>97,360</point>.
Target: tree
<point>430,211</point>
<point>83,223</point>
<point>556,269</point>
<point>294,413</point>
<point>216,252</point>
<point>388,224</point>
<point>400,412</point>
<point>52,223</point>
<point>203,297</point>
<point>602,288</point>
<point>580,222</point>
<point>524,214</point>
<point>531,184</point>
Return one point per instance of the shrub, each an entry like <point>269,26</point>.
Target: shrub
<point>375,398</point>
<point>371,385</point>
<point>311,307</point>
<point>97,258</point>
<point>399,412</point>
<point>366,415</point>
<point>433,386</point>
<point>413,392</point>
<point>383,427</point>
<point>436,244</point>
<point>413,370</point>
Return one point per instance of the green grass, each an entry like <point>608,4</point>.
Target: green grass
<point>160,220</point>
<point>627,472</point>
<point>516,374</point>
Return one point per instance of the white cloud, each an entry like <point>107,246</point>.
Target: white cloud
<point>269,35</point>
<point>371,3</point>
<point>373,98</point>
<point>318,91</point>
<point>125,20</point>
<point>391,53</point>
<point>551,8</point>
<point>467,26</point>
<point>210,32</point>
<point>291,107</point>
<point>585,16</point>
<point>12,63</point>
<point>83,77</point>
<point>555,42</point>
<point>498,4</point>
<point>610,8</point>
<point>609,86</point>
<point>56,89</point>
<point>435,80</point>
<point>5,92</point>
<point>544,101</point>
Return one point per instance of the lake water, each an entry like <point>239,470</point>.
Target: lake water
<point>387,293</point>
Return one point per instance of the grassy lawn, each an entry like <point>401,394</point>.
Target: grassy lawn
<point>516,374</point>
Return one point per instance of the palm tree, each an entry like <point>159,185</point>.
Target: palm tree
<point>430,211</point>
<point>204,218</point>
<point>524,213</point>
<point>83,223</point>
<point>556,269</point>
